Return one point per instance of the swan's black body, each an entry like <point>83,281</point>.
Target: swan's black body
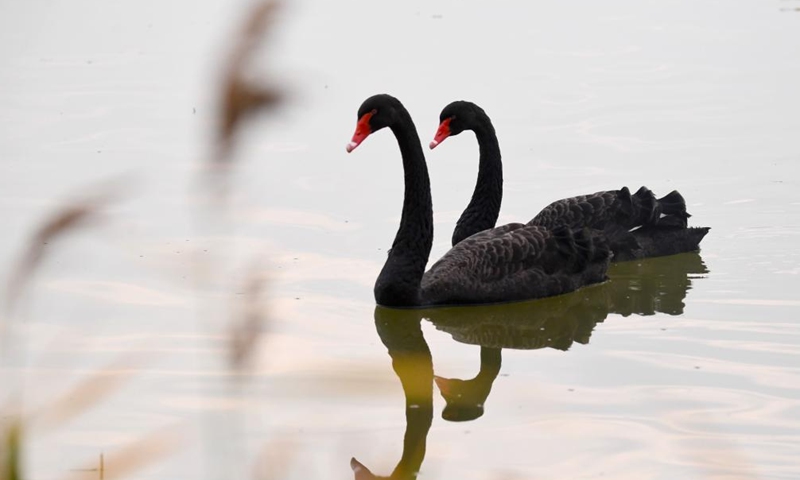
<point>509,263</point>
<point>515,262</point>
<point>635,225</point>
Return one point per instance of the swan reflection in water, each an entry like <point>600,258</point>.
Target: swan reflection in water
<point>643,287</point>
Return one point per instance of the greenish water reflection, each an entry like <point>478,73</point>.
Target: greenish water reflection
<point>646,287</point>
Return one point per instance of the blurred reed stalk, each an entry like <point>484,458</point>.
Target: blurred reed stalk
<point>68,218</point>
<point>240,100</point>
<point>18,423</point>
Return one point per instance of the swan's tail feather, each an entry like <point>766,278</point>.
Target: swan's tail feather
<point>645,209</point>
<point>672,210</point>
<point>673,204</point>
<point>645,202</point>
<point>626,202</point>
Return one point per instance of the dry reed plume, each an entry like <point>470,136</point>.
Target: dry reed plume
<point>239,97</point>
<point>66,219</point>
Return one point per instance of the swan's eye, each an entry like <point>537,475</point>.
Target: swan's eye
<point>374,111</point>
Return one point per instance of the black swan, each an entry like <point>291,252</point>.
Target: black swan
<point>509,263</point>
<point>635,225</point>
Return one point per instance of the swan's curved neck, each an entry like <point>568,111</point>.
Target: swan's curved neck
<point>484,208</point>
<point>398,284</point>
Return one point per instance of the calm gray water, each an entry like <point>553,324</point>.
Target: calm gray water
<point>686,367</point>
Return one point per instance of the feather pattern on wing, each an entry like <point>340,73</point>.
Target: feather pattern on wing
<point>514,262</point>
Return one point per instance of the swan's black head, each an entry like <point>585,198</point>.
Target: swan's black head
<point>457,117</point>
<point>378,111</point>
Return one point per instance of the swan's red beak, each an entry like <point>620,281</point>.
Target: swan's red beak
<point>442,133</point>
<point>363,131</point>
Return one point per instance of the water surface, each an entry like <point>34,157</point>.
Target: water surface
<point>677,368</point>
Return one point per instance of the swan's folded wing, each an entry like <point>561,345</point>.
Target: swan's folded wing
<point>515,262</point>
<point>494,232</point>
<point>593,211</point>
<point>493,254</point>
